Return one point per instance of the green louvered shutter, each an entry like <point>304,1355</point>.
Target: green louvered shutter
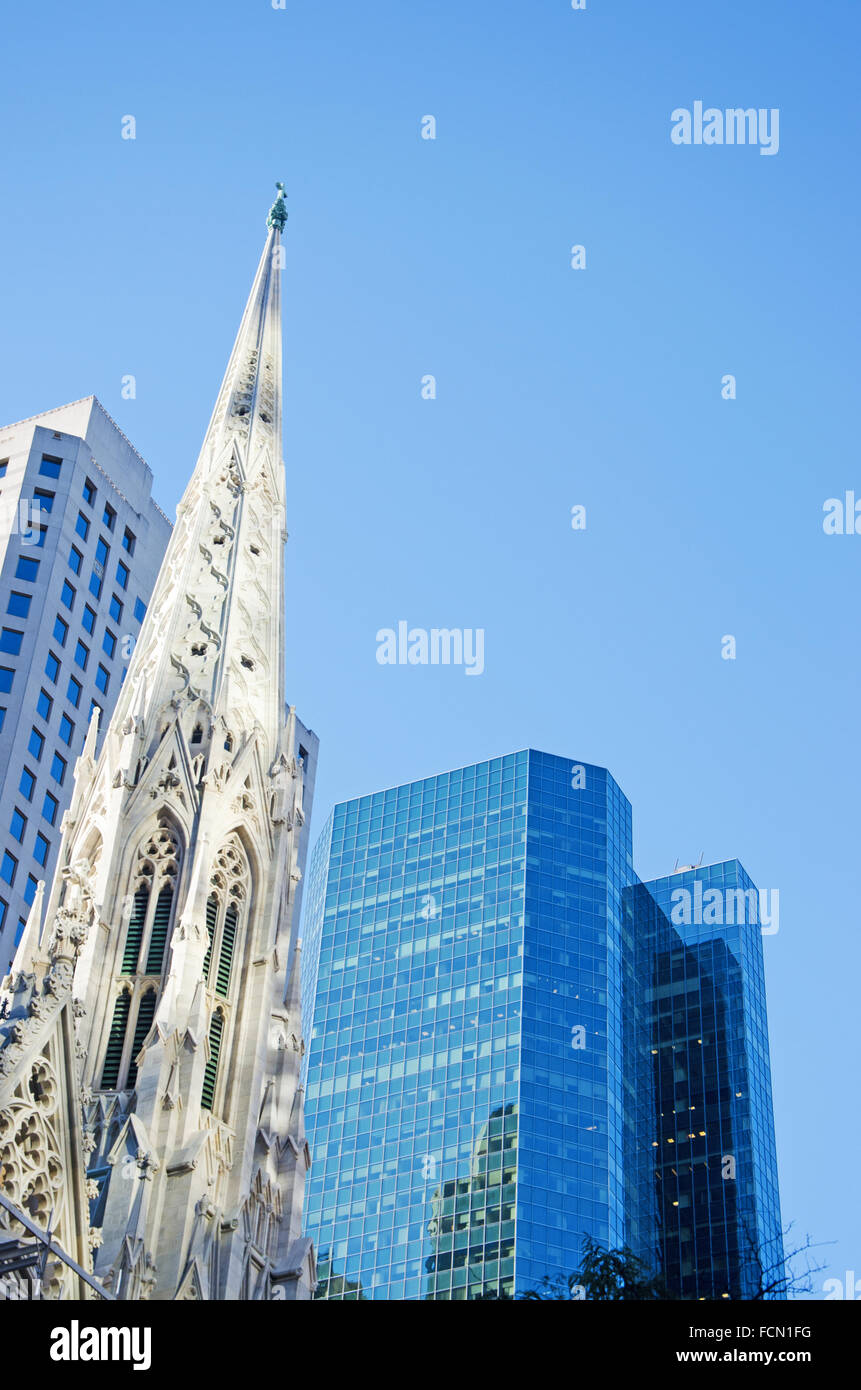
<point>146,1014</point>
<point>216,1028</point>
<point>135,931</point>
<point>116,1040</point>
<point>211,919</point>
<point>225,960</point>
<point>160,923</point>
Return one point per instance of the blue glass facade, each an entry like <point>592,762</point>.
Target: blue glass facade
<point>415,938</point>
<point>479,993</point>
<point>582,1024</point>
<point>716,1162</point>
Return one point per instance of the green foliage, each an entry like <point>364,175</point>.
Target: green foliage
<point>605,1275</point>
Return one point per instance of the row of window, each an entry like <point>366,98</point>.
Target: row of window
<point>74,689</point>
<point>51,467</point>
<point>12,643</point>
<point>50,804</point>
<point>17,828</point>
<point>8,872</point>
<point>28,570</point>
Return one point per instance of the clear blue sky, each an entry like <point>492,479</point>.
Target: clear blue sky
<point>555,387</point>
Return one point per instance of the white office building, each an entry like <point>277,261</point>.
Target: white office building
<point>81,543</point>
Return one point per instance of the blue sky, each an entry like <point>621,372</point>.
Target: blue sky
<point>555,387</point>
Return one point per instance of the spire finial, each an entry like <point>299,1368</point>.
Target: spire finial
<point>278,211</point>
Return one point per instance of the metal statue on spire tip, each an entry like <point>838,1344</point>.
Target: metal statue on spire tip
<point>278,211</point>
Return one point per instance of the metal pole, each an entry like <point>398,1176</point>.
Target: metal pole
<point>52,1248</point>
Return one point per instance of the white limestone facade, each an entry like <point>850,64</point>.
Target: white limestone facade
<point>161,980</point>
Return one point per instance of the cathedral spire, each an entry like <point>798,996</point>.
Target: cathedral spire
<point>214,629</point>
<point>175,897</point>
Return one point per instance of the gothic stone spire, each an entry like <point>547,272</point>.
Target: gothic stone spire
<point>189,833</point>
<point>214,630</point>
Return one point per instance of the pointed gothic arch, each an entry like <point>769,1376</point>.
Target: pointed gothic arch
<point>142,1027</point>
<point>149,910</point>
<point>134,1011</point>
<point>228,922</point>
<point>149,906</point>
<point>115,1049</point>
<point>210,1075</point>
<point>227,913</point>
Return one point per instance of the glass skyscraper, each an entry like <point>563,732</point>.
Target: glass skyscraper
<point>715,1157</point>
<point>481,979</point>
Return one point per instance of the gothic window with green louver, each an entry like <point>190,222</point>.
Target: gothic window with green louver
<point>225,958</point>
<point>211,924</point>
<point>226,915</point>
<point>210,1075</point>
<point>154,880</point>
<point>116,1042</point>
<point>134,934</point>
<point>158,936</point>
<point>146,1014</point>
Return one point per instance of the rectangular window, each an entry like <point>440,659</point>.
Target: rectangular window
<point>4,464</point>
<point>140,610</point>
<point>103,550</point>
<point>30,890</point>
<point>109,642</point>
<point>76,559</point>
<point>50,807</point>
<point>82,655</point>
<point>102,680</point>
<point>8,868</point>
<point>122,575</point>
<point>67,729</point>
<point>52,667</point>
<point>10,640</point>
<point>95,585</point>
<point>18,825</point>
<point>43,705</point>
<point>88,621</point>
<point>40,532</point>
<point>27,569</point>
<point>4,908</point>
<point>58,768</point>
<point>7,675</point>
<point>2,717</point>
<point>89,492</point>
<point>129,541</point>
<point>68,594</point>
<point>82,526</point>
<point>41,849</point>
<point>43,499</point>
<point>73,692</point>
<point>50,467</point>
<point>116,609</point>
<point>19,604</point>
<point>27,783</point>
<point>109,517</point>
<point>61,631</point>
<point>35,744</point>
